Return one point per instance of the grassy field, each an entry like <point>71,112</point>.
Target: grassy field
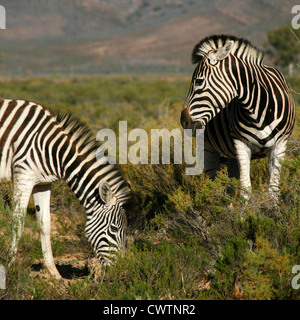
<point>187,240</point>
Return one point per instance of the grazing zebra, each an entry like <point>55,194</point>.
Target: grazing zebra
<point>37,148</point>
<point>245,106</point>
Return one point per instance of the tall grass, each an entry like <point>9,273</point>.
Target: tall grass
<point>188,239</point>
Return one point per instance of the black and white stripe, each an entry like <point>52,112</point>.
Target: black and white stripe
<point>38,147</point>
<point>245,106</point>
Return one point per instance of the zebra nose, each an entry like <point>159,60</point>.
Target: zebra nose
<point>185,119</point>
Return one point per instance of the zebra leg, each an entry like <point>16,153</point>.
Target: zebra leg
<point>41,198</point>
<point>22,188</point>
<point>243,156</point>
<point>211,162</point>
<point>275,157</point>
<point>233,172</point>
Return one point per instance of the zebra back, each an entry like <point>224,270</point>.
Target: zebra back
<point>235,96</point>
<point>46,146</point>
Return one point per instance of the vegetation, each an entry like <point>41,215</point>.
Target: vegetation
<point>285,40</point>
<point>188,238</point>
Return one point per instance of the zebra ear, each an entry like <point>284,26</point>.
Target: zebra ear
<point>105,191</point>
<point>221,53</point>
<point>224,51</point>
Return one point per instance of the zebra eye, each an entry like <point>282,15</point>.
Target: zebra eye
<point>198,81</point>
<point>114,228</point>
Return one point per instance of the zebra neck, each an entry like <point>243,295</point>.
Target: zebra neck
<point>252,89</point>
<point>82,174</point>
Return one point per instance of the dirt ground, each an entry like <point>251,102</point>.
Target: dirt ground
<point>71,266</point>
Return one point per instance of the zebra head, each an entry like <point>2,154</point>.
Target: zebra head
<point>211,88</point>
<point>106,224</point>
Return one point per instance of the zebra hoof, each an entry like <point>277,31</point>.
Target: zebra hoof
<point>95,268</point>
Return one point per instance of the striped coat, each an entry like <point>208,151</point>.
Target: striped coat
<point>38,147</point>
<point>245,106</point>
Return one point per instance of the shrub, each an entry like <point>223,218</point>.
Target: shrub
<point>188,238</point>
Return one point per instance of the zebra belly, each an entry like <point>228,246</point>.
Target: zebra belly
<point>226,127</point>
<point>225,146</point>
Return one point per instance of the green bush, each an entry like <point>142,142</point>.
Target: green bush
<point>188,239</point>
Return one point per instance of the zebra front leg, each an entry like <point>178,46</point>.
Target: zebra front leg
<point>211,163</point>
<point>243,156</point>
<point>21,193</point>
<point>233,172</point>
<point>275,157</point>
<point>41,198</point>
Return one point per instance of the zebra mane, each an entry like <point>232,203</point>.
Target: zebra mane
<point>242,48</point>
<point>85,141</point>
<point>78,130</point>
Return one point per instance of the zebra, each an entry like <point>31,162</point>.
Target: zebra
<point>245,107</point>
<point>38,147</point>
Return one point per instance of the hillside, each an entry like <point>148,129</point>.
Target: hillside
<point>97,36</point>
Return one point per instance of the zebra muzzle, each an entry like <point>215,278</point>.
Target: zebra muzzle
<point>188,123</point>
<point>185,119</point>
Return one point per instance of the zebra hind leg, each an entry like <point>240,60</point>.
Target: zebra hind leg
<point>275,157</point>
<point>41,197</point>
<point>243,155</point>
<point>233,172</point>
<point>21,193</point>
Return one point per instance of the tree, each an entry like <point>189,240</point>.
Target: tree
<point>286,42</point>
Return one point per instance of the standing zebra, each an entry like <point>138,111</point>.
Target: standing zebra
<point>37,148</point>
<point>245,106</point>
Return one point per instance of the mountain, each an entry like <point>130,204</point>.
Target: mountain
<point>124,36</point>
